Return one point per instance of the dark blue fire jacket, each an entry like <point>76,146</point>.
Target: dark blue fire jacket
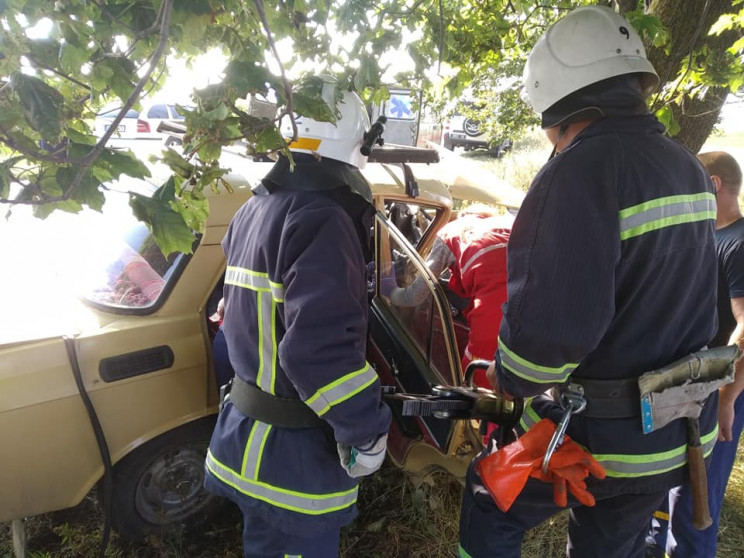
<point>612,273</point>
<point>296,326</point>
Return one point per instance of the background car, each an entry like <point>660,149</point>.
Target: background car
<point>138,124</point>
<point>462,128</point>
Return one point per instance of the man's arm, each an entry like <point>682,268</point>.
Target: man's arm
<point>440,258</point>
<point>325,309</point>
<point>729,393</point>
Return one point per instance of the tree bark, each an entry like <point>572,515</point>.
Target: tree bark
<point>688,23</point>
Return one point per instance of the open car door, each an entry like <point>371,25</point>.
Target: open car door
<point>414,348</point>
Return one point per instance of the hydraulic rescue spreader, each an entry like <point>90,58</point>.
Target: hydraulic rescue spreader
<point>467,402</point>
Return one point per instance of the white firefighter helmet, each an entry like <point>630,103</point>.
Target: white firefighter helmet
<point>340,140</point>
<point>590,44</point>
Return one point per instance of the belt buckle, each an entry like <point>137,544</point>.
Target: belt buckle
<point>224,393</point>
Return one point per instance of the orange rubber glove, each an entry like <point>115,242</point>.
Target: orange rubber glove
<point>505,472</point>
<point>568,468</point>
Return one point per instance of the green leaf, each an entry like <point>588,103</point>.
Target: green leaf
<point>368,74</point>
<point>72,57</point>
<point>68,206</point>
<point>313,106</point>
<point>269,139</point>
<point>666,117</point>
<point>210,151</point>
<point>78,137</point>
<point>88,192</point>
<point>41,104</point>
<point>5,179</point>
<point>177,163</point>
<point>724,23</point>
<point>120,74</point>
<point>246,77</point>
<point>169,228</point>
<point>124,162</point>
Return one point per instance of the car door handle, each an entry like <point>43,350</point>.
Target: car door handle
<point>135,363</point>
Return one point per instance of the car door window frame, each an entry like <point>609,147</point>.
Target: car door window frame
<point>438,298</point>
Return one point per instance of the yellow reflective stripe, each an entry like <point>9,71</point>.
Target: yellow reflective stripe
<point>629,465</point>
<point>529,417</point>
<point>342,389</point>
<point>254,449</point>
<point>462,553</point>
<point>633,465</point>
<point>305,503</point>
<point>532,372</point>
<point>274,352</point>
<point>666,212</point>
<point>260,452</point>
<point>311,144</point>
<point>260,382</point>
<point>254,280</point>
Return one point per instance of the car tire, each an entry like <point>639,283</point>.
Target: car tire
<point>495,151</point>
<point>159,487</point>
<point>173,142</point>
<point>448,145</point>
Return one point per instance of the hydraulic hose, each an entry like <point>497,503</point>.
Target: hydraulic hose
<point>108,477</point>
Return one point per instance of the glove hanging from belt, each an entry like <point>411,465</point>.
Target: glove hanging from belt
<point>505,472</point>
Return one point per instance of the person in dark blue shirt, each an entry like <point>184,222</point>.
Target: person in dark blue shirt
<point>684,540</point>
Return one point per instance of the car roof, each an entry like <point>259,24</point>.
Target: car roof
<point>386,181</point>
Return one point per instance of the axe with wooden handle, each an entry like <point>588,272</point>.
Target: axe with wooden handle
<point>679,390</point>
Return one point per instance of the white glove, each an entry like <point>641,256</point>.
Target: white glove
<point>364,460</point>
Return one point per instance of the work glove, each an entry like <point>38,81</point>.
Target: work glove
<point>568,469</point>
<point>505,472</point>
<point>360,461</point>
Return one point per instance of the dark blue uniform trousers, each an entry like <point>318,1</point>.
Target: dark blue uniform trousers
<point>266,539</point>
<point>684,540</point>
<point>262,540</point>
<point>614,528</point>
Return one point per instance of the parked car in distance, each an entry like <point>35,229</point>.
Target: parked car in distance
<point>140,353</point>
<point>130,127</point>
<point>136,124</point>
<point>461,128</point>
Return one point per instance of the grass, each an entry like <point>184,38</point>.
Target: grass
<point>397,518</point>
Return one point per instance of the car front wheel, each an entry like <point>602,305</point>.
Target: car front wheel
<point>159,487</point>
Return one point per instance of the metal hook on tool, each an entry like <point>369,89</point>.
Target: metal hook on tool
<point>572,401</point>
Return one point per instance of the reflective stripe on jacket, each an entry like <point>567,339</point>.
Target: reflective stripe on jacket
<point>296,324</point>
<point>612,270</point>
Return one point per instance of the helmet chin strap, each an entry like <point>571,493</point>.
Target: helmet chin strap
<point>561,131</point>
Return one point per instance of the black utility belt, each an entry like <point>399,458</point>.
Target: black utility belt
<point>284,412</point>
<point>610,399</point>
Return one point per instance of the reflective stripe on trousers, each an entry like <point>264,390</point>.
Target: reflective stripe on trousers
<point>300,502</point>
<point>634,465</point>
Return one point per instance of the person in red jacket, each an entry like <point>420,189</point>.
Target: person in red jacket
<point>473,248</point>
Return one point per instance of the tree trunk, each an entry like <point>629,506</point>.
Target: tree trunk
<point>688,23</point>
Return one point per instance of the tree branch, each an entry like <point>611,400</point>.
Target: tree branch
<point>57,72</point>
<point>88,160</point>
<point>287,86</point>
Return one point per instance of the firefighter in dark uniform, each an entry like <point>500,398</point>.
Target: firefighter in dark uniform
<point>611,272</point>
<point>304,416</point>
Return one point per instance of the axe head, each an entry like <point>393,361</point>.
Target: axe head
<point>679,390</point>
